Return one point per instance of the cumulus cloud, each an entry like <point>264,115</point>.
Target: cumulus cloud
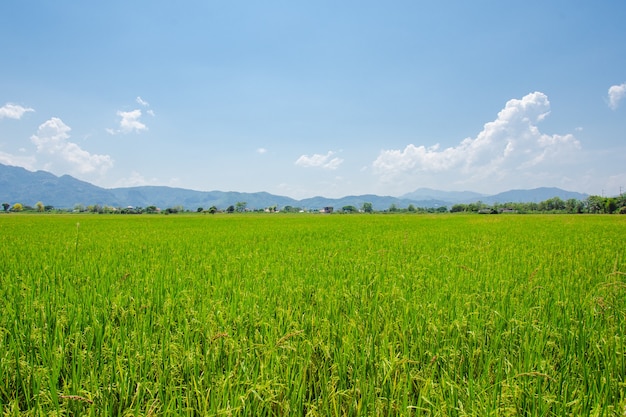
<point>51,140</point>
<point>27,162</point>
<point>129,122</point>
<point>319,161</point>
<point>507,149</point>
<point>13,111</point>
<point>616,94</point>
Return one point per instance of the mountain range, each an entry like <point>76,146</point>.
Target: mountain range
<point>18,185</point>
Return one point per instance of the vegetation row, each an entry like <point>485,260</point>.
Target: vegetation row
<point>592,204</point>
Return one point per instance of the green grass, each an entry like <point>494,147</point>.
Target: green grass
<point>316,315</point>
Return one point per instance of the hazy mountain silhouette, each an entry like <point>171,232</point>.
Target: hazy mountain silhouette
<point>18,185</point>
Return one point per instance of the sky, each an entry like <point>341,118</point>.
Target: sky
<point>320,98</point>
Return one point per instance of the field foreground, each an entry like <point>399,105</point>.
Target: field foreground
<point>313,315</point>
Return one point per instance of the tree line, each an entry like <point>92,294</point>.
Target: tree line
<point>593,204</point>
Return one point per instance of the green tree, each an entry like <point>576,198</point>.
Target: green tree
<point>595,204</point>
<point>610,205</point>
<point>6,206</point>
<point>17,207</point>
<point>367,208</point>
<point>230,209</point>
<point>349,209</point>
<point>457,208</point>
<point>212,209</point>
<point>240,206</point>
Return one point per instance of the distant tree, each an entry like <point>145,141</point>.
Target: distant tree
<point>349,209</point>
<point>595,204</point>
<point>40,207</point>
<point>621,201</point>
<point>95,208</point>
<point>230,209</point>
<point>367,208</point>
<point>393,208</point>
<point>444,209</point>
<point>291,209</point>
<point>610,205</point>
<point>241,206</point>
<point>6,206</point>
<point>48,208</point>
<point>17,207</point>
<point>411,208</point>
<point>199,210</point>
<point>151,209</point>
<point>212,209</point>
<point>457,208</point>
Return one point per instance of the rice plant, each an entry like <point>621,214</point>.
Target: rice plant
<point>312,315</point>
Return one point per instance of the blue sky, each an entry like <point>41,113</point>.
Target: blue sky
<point>317,98</point>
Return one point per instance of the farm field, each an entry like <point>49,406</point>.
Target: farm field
<point>313,315</point>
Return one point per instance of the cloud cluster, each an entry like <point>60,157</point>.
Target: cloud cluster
<point>319,161</point>
<point>27,161</point>
<point>54,150</point>
<point>51,139</point>
<point>505,150</point>
<point>13,111</point>
<point>130,120</point>
<point>616,94</point>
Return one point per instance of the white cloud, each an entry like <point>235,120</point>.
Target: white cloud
<point>142,102</point>
<point>135,179</point>
<point>505,151</point>
<point>51,140</point>
<point>27,162</point>
<point>616,94</point>
<point>320,161</point>
<point>261,151</point>
<point>13,111</point>
<point>129,122</point>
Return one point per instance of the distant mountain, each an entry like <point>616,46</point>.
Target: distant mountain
<point>378,202</point>
<point>512,196</point>
<point>447,196</point>
<point>169,197</point>
<point>27,187</point>
<point>532,196</point>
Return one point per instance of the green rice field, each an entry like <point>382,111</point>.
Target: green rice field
<point>312,315</point>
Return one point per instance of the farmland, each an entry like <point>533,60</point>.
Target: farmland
<point>317,315</point>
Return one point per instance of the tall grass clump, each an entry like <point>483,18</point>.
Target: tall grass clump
<point>312,315</point>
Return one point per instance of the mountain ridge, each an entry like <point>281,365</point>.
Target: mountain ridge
<point>18,184</point>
